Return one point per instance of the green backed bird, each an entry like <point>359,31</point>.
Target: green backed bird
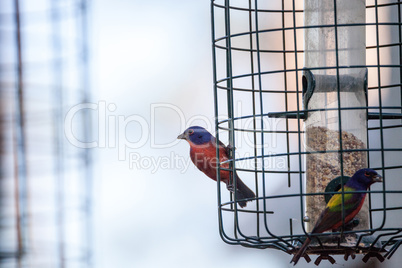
<point>331,217</point>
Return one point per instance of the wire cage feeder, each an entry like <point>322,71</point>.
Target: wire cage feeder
<point>307,93</point>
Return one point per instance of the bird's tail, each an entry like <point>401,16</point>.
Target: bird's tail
<point>243,192</point>
<point>301,251</point>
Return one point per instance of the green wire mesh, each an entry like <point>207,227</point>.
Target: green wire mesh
<point>260,84</point>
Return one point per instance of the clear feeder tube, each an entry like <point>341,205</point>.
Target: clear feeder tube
<point>323,125</point>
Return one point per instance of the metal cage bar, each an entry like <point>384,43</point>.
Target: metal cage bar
<point>257,61</point>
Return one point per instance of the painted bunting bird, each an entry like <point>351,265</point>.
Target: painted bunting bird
<point>203,155</point>
<point>331,217</point>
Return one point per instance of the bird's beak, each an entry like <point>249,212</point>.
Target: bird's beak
<point>181,136</point>
<point>377,178</point>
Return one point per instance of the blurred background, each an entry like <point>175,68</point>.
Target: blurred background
<point>93,96</point>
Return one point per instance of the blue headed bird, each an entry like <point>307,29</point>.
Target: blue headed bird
<point>331,216</point>
<point>203,155</point>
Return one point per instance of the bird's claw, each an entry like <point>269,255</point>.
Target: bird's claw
<point>230,187</point>
<point>230,146</point>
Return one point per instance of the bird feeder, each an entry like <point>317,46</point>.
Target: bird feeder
<point>334,98</point>
<point>307,93</point>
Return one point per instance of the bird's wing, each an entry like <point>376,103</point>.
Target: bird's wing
<point>350,200</point>
<point>326,220</point>
<point>225,148</point>
<point>331,217</point>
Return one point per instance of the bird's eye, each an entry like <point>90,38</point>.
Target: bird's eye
<point>367,174</point>
<point>191,132</point>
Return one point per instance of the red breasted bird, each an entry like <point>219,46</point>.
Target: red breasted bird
<point>331,217</point>
<point>203,155</point>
